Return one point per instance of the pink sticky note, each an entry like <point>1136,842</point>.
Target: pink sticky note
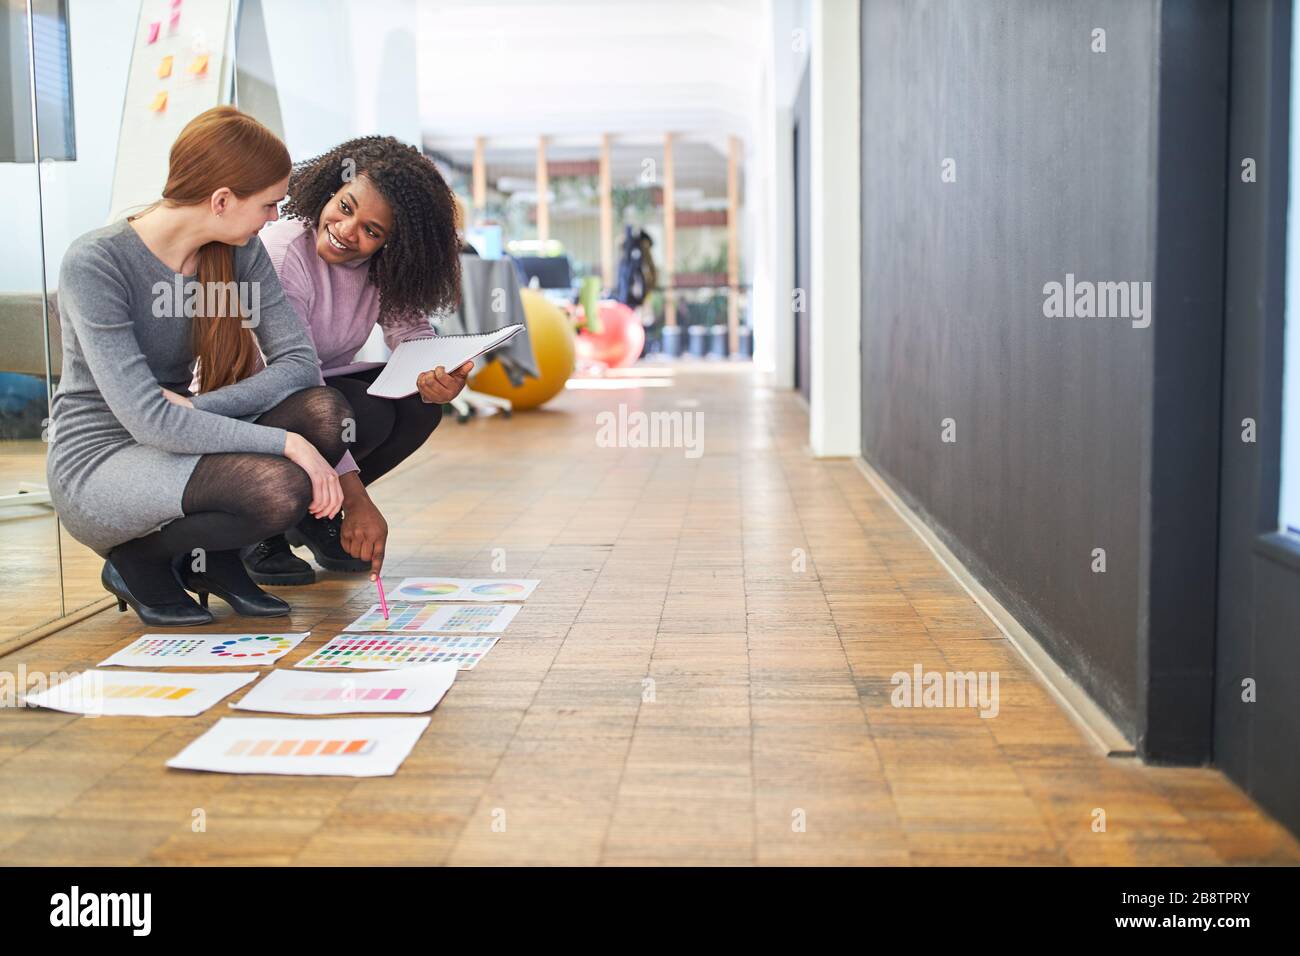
<point>153,31</point>
<point>174,22</point>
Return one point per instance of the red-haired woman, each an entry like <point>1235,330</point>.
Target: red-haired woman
<point>166,487</point>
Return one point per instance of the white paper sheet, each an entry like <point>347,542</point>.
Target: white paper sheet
<point>139,693</point>
<point>351,747</point>
<point>393,651</point>
<point>205,650</point>
<point>422,618</point>
<point>413,357</point>
<point>465,589</point>
<point>413,690</point>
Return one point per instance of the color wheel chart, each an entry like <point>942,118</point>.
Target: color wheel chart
<point>384,652</point>
<point>205,650</point>
<point>502,589</point>
<point>426,591</point>
<point>465,589</point>
<point>420,618</point>
<point>254,645</point>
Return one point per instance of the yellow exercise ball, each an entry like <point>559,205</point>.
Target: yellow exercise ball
<point>551,335</point>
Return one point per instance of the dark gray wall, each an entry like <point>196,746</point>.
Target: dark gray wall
<point>1257,742</point>
<point>1057,171</point>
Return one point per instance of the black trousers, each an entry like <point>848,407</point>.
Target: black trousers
<point>388,430</point>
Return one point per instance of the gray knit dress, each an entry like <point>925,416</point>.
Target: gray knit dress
<point>120,453</point>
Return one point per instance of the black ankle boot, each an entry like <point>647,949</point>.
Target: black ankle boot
<point>323,537</point>
<point>180,612</point>
<point>226,578</point>
<point>272,562</point>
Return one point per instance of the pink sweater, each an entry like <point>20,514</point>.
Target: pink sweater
<point>336,303</point>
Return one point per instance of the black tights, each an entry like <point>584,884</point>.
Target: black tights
<point>235,499</point>
<point>388,430</point>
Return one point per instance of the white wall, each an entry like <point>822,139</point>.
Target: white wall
<point>835,410</point>
<point>788,43</point>
<point>343,70</point>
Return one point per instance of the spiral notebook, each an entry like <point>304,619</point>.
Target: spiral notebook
<point>414,357</point>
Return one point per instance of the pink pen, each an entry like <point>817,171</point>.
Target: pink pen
<point>383,602</point>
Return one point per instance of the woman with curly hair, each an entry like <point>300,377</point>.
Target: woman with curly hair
<point>367,237</point>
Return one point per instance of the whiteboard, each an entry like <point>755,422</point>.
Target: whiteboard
<point>186,31</point>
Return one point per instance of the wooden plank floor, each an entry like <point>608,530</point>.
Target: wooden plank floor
<point>676,691</point>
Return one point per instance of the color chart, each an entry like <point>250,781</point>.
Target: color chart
<point>139,693</point>
<point>464,589</point>
<point>353,747</point>
<point>386,652</point>
<point>205,650</point>
<point>273,747</point>
<point>451,618</point>
<point>412,690</point>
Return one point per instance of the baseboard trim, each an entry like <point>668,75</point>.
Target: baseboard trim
<point>22,640</point>
<point>1074,700</point>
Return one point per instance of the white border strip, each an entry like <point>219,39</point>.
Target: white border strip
<point>1095,723</point>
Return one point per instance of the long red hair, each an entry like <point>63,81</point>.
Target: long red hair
<point>222,147</point>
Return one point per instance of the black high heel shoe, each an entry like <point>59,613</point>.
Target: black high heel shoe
<point>259,604</point>
<point>180,613</point>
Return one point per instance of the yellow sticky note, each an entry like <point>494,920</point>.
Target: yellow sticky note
<point>198,65</point>
<point>159,102</point>
<point>165,68</point>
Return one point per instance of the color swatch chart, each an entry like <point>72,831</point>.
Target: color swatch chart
<point>346,693</point>
<point>464,589</point>
<point>205,650</point>
<point>353,747</point>
<point>342,690</point>
<point>108,693</point>
<point>454,618</point>
<point>299,748</point>
<point>168,692</point>
<point>411,650</point>
<point>164,647</point>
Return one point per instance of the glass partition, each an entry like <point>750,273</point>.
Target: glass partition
<point>30,580</point>
<point>81,75</point>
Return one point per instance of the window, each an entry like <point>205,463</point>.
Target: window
<point>53,83</point>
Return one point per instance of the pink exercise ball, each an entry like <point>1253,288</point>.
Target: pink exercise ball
<point>620,340</point>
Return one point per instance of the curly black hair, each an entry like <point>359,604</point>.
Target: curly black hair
<point>418,267</point>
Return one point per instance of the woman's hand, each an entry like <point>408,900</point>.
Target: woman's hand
<point>175,399</point>
<point>365,532</point>
<point>440,386</point>
<point>326,494</point>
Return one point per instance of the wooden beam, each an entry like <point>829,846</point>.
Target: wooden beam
<point>733,245</point>
<point>543,187</point>
<point>606,217</point>
<point>480,173</point>
<point>670,233</point>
